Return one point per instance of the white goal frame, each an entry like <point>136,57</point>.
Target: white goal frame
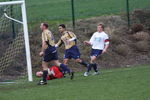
<point>25,29</point>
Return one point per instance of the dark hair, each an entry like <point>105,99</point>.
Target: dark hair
<point>45,24</point>
<point>62,25</point>
<point>102,25</point>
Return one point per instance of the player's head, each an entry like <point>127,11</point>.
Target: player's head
<point>62,28</point>
<point>100,27</point>
<point>39,74</point>
<point>44,26</point>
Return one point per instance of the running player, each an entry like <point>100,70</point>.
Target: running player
<point>100,44</point>
<point>68,38</point>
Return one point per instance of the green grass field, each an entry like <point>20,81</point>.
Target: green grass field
<point>116,84</point>
<point>55,11</point>
<point>61,9</point>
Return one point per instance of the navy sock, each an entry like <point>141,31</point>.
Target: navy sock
<point>89,67</point>
<point>64,68</point>
<point>45,72</point>
<point>95,67</point>
<point>83,63</point>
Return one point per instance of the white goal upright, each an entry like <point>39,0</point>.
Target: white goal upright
<point>16,41</point>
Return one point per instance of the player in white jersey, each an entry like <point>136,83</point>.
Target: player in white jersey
<point>100,44</point>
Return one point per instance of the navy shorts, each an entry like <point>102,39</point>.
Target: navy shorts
<point>96,52</point>
<point>73,52</point>
<point>50,54</point>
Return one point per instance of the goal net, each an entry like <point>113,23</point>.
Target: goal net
<point>15,61</point>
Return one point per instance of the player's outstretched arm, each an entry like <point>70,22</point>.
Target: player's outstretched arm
<point>87,43</point>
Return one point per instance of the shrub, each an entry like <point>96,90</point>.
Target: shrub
<point>137,28</point>
<point>115,39</point>
<point>142,46</point>
<point>122,49</point>
<point>141,36</point>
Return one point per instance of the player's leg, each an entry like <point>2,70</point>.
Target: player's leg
<point>45,70</point>
<point>93,64</point>
<point>95,53</point>
<point>43,81</point>
<point>47,57</point>
<point>65,61</point>
<point>75,54</point>
<point>84,64</point>
<point>93,59</point>
<point>78,60</point>
<point>64,68</point>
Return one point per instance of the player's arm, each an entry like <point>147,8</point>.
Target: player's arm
<point>73,36</point>
<point>43,48</point>
<point>91,40</point>
<point>87,43</point>
<point>105,48</point>
<point>106,44</point>
<point>60,42</point>
<point>44,44</point>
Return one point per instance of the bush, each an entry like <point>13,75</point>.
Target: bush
<point>122,49</point>
<point>142,46</point>
<point>114,39</point>
<point>141,36</point>
<point>137,28</point>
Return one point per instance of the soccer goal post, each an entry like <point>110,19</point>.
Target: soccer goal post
<point>25,33</point>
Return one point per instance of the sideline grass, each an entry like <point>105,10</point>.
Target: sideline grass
<point>116,84</point>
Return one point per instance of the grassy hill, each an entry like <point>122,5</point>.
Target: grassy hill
<point>115,84</point>
<point>61,9</point>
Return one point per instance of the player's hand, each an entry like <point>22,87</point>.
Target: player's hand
<point>86,42</point>
<point>41,53</point>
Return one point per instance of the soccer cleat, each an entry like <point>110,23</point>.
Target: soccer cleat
<point>72,75</point>
<point>96,73</point>
<point>42,83</point>
<point>86,74</point>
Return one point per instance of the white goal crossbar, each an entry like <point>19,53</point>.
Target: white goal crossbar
<point>11,3</point>
<point>25,29</point>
